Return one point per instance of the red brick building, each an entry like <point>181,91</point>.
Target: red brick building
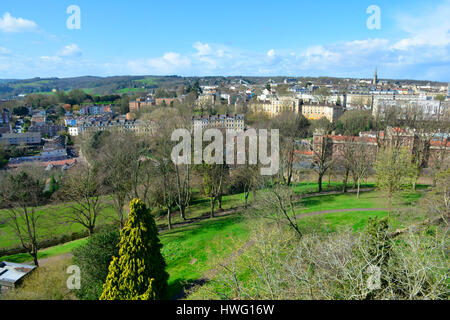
<point>140,104</point>
<point>433,150</point>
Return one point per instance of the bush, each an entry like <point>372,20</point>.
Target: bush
<point>337,266</point>
<point>93,258</point>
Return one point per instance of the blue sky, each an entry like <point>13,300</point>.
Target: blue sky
<point>284,37</point>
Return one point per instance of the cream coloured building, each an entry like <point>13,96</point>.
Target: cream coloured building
<point>275,106</point>
<point>311,111</point>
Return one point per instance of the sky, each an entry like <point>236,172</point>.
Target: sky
<point>409,39</point>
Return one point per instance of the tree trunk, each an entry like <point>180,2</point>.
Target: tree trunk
<point>344,189</point>
<point>91,230</point>
<point>359,185</point>
<point>319,182</point>
<point>169,221</point>
<point>183,212</point>
<point>246,193</point>
<point>34,253</point>
<point>330,173</point>
<point>212,207</point>
<point>219,199</point>
<point>389,203</point>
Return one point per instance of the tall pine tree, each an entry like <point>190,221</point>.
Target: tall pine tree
<point>138,273</point>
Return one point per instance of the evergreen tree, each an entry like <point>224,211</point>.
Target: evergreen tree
<point>94,258</point>
<point>138,273</point>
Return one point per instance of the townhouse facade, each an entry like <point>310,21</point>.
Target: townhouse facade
<point>234,122</point>
<point>16,139</point>
<point>134,126</point>
<point>435,149</point>
<point>95,110</point>
<point>312,111</point>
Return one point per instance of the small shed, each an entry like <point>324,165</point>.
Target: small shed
<point>11,274</point>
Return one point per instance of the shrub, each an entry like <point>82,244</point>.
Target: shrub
<point>93,258</point>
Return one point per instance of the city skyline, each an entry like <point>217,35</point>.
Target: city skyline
<point>292,38</point>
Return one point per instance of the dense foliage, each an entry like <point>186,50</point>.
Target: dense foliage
<point>94,258</point>
<point>138,272</point>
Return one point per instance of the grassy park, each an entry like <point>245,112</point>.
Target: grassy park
<point>198,248</point>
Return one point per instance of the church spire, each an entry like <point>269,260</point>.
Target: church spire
<point>375,77</point>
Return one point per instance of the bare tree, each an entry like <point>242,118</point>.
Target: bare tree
<point>118,162</point>
<point>183,173</point>
<point>82,191</point>
<point>246,177</point>
<point>437,202</point>
<point>346,158</point>
<point>394,171</point>
<point>213,178</point>
<point>361,163</point>
<point>21,194</point>
<point>322,158</point>
<point>292,126</point>
<point>277,203</point>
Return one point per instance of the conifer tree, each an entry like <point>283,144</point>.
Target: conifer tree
<point>138,273</point>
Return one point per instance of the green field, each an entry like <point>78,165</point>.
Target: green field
<point>54,225</point>
<point>130,90</point>
<point>148,81</point>
<point>189,251</point>
<point>195,249</point>
<point>30,84</point>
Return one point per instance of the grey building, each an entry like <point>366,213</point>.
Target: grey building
<point>16,139</point>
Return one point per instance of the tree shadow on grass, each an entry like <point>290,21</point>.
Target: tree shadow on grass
<point>198,227</point>
<point>180,288</point>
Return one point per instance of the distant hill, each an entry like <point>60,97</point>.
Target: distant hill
<point>93,85</point>
<point>11,88</point>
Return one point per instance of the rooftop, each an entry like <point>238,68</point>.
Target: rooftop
<point>11,272</point>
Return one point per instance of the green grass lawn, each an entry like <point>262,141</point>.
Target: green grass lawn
<point>194,249</point>
<point>46,253</point>
<point>189,251</point>
<point>54,224</point>
<point>310,187</point>
<point>375,199</point>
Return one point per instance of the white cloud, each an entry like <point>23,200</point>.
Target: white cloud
<point>421,52</point>
<point>4,51</point>
<point>71,50</point>
<point>202,48</point>
<point>432,28</point>
<point>51,59</point>
<point>10,24</point>
<point>67,53</point>
<point>169,63</point>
